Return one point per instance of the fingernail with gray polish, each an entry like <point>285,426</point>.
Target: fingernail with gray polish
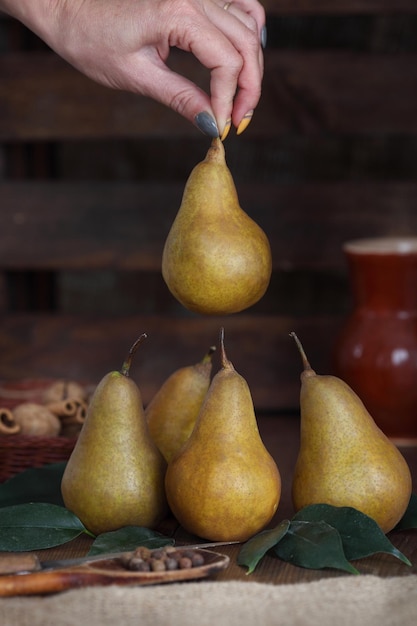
<point>207,124</point>
<point>263,37</point>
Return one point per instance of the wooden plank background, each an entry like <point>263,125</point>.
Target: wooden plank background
<point>91,179</point>
<point>307,92</point>
<point>106,225</point>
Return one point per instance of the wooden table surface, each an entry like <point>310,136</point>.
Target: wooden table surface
<point>281,436</point>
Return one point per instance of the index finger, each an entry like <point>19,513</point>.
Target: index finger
<point>243,70</point>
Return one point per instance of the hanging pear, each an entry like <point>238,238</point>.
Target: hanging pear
<point>224,485</point>
<point>115,474</point>
<point>173,411</point>
<point>344,458</point>
<point>216,259</point>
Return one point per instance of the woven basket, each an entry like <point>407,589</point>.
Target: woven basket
<point>18,452</point>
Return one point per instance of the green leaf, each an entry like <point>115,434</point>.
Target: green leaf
<point>127,539</point>
<point>34,485</point>
<point>37,525</point>
<point>409,519</point>
<point>314,545</point>
<point>361,536</point>
<point>253,550</point>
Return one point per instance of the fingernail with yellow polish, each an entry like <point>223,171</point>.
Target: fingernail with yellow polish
<point>226,129</point>
<point>244,122</point>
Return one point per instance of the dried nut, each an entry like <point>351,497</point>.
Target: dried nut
<point>142,566</point>
<point>62,390</point>
<point>138,564</point>
<point>143,552</point>
<point>157,565</point>
<point>171,564</point>
<point>158,554</point>
<point>161,559</point>
<point>36,419</point>
<point>197,559</point>
<point>188,553</point>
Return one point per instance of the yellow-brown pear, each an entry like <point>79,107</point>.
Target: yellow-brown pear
<point>173,410</point>
<point>216,259</point>
<point>115,474</point>
<point>344,458</point>
<point>224,485</point>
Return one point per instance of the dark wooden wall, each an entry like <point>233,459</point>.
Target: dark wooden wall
<point>91,179</point>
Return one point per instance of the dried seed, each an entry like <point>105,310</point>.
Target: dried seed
<point>158,554</point>
<point>171,564</point>
<point>188,554</point>
<point>143,552</point>
<point>197,559</point>
<point>138,565</point>
<point>157,565</point>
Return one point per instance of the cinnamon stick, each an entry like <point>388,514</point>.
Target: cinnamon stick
<point>8,425</point>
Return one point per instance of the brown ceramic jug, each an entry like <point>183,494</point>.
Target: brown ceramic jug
<point>376,352</point>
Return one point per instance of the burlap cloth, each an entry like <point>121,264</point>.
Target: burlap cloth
<point>350,600</point>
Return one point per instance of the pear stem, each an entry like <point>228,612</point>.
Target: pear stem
<point>215,153</point>
<point>207,356</point>
<point>226,364</point>
<point>128,362</point>
<point>306,365</point>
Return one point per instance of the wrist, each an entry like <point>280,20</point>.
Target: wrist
<point>36,15</point>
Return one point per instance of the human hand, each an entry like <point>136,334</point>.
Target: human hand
<point>125,45</point>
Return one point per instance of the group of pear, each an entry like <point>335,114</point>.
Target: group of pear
<point>196,449</point>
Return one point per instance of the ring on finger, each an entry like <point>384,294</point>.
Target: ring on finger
<point>226,6</point>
